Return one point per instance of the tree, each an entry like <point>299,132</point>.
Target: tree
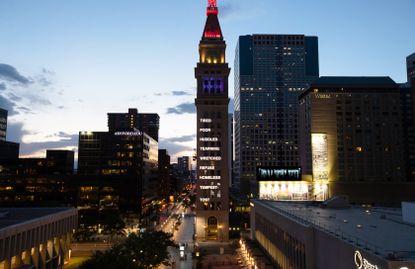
<point>139,251</point>
<point>113,226</point>
<point>83,234</point>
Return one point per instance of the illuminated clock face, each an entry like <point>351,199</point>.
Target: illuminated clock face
<point>213,85</point>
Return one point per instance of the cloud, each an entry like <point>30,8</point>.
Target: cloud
<point>35,99</point>
<point>184,108</point>
<point>10,106</point>
<point>174,149</point>
<point>59,140</point>
<point>16,131</point>
<point>10,73</point>
<point>243,10</point>
<point>180,93</point>
<point>2,86</point>
<point>69,140</point>
<point>14,97</point>
<point>181,139</point>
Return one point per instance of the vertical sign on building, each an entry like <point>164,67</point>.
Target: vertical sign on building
<point>212,199</point>
<point>319,149</point>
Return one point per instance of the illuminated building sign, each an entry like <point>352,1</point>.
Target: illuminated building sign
<point>209,187</point>
<point>136,133</point>
<point>206,120</point>
<point>204,200</point>
<point>209,177</point>
<point>319,151</point>
<point>210,148</point>
<point>323,96</point>
<point>210,158</point>
<point>209,139</point>
<point>292,191</point>
<point>278,174</point>
<point>207,168</point>
<point>362,263</point>
<point>205,130</point>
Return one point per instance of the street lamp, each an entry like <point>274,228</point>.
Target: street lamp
<point>220,232</point>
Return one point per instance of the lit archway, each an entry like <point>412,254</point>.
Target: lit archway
<point>212,228</point>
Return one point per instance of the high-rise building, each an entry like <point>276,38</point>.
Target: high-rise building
<point>122,154</point>
<point>122,162</point>
<point>148,123</point>
<point>184,169</point>
<point>352,139</point>
<point>231,149</point>
<point>410,67</point>
<point>8,150</point>
<point>165,187</point>
<point>270,73</point>
<point>3,124</point>
<point>212,72</point>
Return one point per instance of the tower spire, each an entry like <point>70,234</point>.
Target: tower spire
<point>212,27</point>
<point>212,8</point>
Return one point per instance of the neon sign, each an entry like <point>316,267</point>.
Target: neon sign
<point>128,133</point>
<point>278,174</point>
<point>209,139</point>
<point>362,263</point>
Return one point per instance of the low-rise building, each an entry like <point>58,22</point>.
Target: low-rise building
<point>36,238</point>
<point>308,235</point>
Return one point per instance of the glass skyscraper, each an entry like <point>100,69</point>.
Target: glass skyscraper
<point>270,73</point>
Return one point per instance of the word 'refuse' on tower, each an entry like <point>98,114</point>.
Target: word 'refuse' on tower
<point>212,72</point>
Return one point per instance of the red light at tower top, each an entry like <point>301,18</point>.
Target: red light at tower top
<point>212,8</point>
<point>212,3</point>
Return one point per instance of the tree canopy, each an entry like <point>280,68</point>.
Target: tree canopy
<point>139,251</point>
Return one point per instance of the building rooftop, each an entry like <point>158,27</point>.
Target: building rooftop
<point>13,216</point>
<point>354,82</point>
<point>379,230</point>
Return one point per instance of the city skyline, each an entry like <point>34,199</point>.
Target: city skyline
<point>60,61</point>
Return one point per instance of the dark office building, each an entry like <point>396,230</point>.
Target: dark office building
<point>124,165</point>
<point>3,124</point>
<point>270,73</point>
<point>38,181</point>
<point>353,138</point>
<point>410,66</point>
<point>148,123</point>
<point>165,188</point>
<point>408,124</point>
<point>8,150</point>
<point>184,169</point>
<point>61,160</point>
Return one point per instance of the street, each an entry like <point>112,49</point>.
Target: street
<point>183,237</point>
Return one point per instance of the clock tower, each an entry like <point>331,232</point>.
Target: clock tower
<point>212,72</point>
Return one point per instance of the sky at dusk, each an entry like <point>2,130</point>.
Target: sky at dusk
<point>64,64</point>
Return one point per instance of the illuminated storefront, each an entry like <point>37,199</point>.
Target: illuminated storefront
<point>285,184</point>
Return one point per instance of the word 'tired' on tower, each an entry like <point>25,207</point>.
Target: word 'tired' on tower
<point>212,72</point>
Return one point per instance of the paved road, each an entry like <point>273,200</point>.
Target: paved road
<point>184,235</point>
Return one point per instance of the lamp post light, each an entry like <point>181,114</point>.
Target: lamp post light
<point>220,232</point>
